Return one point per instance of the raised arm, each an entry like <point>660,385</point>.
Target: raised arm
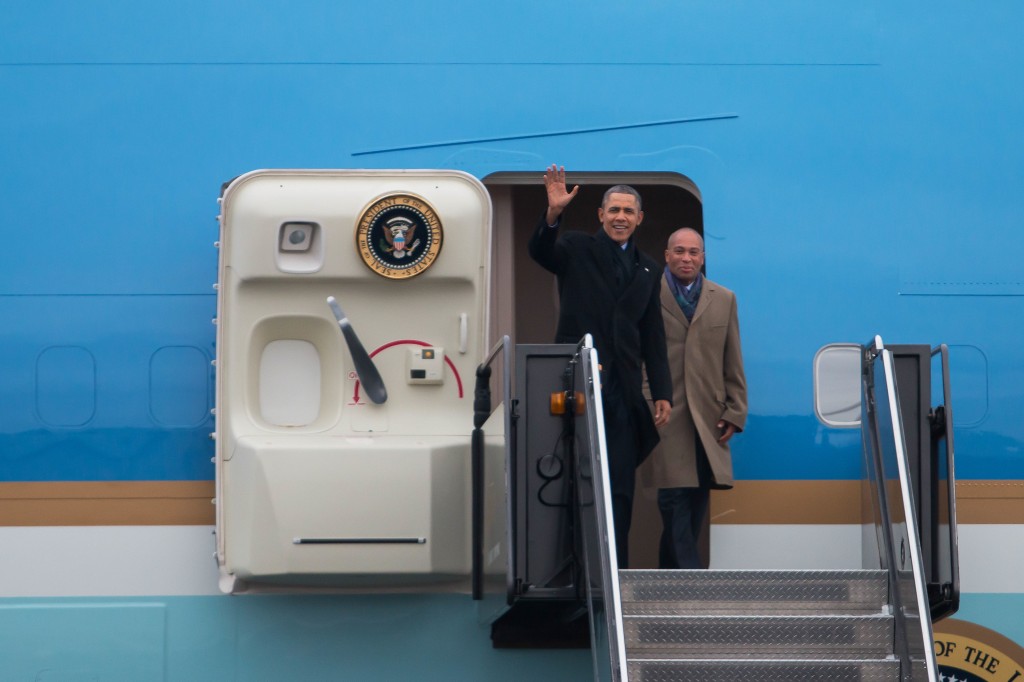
<point>558,196</point>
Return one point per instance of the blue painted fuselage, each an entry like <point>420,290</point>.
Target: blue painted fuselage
<point>859,168</point>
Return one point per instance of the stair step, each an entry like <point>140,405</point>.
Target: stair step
<point>869,636</point>
<point>861,670</point>
<point>652,592</point>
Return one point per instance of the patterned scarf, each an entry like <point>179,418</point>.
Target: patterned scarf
<point>687,300</point>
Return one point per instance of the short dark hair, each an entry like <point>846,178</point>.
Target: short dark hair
<point>622,189</point>
<point>685,229</point>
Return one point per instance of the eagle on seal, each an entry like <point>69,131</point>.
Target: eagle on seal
<point>399,232</point>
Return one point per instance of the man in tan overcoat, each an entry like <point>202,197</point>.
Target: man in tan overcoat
<point>709,401</point>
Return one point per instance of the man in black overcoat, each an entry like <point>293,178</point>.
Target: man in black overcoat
<point>611,290</point>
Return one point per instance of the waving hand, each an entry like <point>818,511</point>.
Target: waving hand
<point>558,196</point>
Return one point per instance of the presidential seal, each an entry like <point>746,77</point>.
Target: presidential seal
<point>399,236</point>
<point>968,652</point>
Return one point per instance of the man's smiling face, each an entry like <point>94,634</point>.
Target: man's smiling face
<point>620,216</point>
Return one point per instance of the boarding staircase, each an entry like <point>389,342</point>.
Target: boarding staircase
<point>865,625</point>
<point>757,625</point>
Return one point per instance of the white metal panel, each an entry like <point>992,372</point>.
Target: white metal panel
<point>299,446</point>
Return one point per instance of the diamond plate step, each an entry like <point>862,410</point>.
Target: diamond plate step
<point>674,637</point>
<point>887,670</point>
<point>749,592</point>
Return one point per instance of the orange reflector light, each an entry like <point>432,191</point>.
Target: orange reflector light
<point>558,401</point>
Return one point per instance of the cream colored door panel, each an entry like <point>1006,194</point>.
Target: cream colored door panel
<point>302,452</point>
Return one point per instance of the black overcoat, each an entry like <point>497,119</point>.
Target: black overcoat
<point>627,327</point>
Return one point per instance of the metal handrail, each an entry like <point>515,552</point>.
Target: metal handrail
<point>594,503</point>
<point>899,542</point>
<point>945,601</point>
<point>482,412</point>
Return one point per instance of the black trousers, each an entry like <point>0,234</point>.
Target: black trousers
<point>623,443</point>
<point>682,517</point>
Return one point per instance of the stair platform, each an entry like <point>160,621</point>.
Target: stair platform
<point>737,625</point>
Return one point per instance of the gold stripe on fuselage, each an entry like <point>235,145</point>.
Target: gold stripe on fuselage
<point>839,502</point>
<point>107,503</point>
<point>154,503</point>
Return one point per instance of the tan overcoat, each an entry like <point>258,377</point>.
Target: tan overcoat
<point>708,384</point>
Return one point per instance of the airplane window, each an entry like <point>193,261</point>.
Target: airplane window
<point>837,385</point>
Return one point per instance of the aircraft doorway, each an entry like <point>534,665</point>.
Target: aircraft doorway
<point>524,297</point>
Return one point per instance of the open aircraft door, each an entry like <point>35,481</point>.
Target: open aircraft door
<point>342,454</point>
